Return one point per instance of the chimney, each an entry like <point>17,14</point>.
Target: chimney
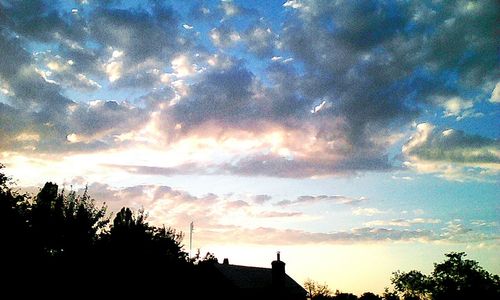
<point>225,262</point>
<point>278,272</point>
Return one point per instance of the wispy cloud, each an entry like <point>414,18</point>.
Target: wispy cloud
<point>322,198</point>
<point>278,214</point>
<point>225,219</point>
<point>402,222</point>
<point>366,211</point>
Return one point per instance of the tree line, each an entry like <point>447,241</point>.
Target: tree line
<point>58,241</point>
<point>63,243</point>
<point>456,278</point>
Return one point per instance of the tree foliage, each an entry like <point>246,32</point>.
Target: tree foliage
<point>369,296</point>
<point>14,211</point>
<point>131,236</point>
<point>317,290</point>
<point>63,242</point>
<point>56,224</point>
<point>65,224</point>
<point>455,278</point>
<point>344,296</point>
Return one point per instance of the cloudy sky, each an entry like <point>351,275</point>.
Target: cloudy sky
<point>357,137</point>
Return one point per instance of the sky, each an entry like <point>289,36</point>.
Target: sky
<point>356,137</point>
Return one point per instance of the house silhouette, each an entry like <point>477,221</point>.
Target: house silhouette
<point>226,281</point>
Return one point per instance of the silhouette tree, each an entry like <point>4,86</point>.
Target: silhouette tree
<point>316,290</point>
<point>388,295</point>
<point>209,258</point>
<point>65,225</point>
<point>136,252</point>
<point>369,296</point>
<point>131,236</point>
<point>14,226</point>
<point>413,285</point>
<point>459,278</point>
<point>455,278</point>
<point>344,296</point>
<point>83,221</point>
<point>58,243</point>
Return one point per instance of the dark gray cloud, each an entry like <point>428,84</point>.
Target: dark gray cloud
<point>42,21</point>
<point>163,171</point>
<point>102,116</point>
<point>260,40</point>
<point>37,115</point>
<point>35,106</point>
<point>34,83</point>
<point>146,39</point>
<point>140,42</point>
<point>27,86</point>
<point>465,39</point>
<point>223,96</point>
<point>66,72</point>
<point>279,166</point>
<point>357,71</point>
<point>270,165</point>
<point>139,33</point>
<point>451,145</point>
<point>379,61</point>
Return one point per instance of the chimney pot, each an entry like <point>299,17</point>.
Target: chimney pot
<point>226,261</point>
<point>278,272</point>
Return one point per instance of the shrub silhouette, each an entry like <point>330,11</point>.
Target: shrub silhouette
<point>455,278</point>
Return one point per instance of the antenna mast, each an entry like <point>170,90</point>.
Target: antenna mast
<point>191,227</point>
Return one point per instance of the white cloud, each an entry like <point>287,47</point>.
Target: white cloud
<point>73,138</point>
<point>458,107</point>
<point>230,9</point>
<point>87,82</point>
<point>401,222</point>
<point>322,198</point>
<point>419,138</point>
<point>182,66</point>
<point>366,211</point>
<point>495,95</point>
<point>407,178</point>
<point>323,105</point>
<point>293,4</point>
<point>114,69</point>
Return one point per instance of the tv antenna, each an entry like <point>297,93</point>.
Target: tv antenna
<point>191,228</point>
